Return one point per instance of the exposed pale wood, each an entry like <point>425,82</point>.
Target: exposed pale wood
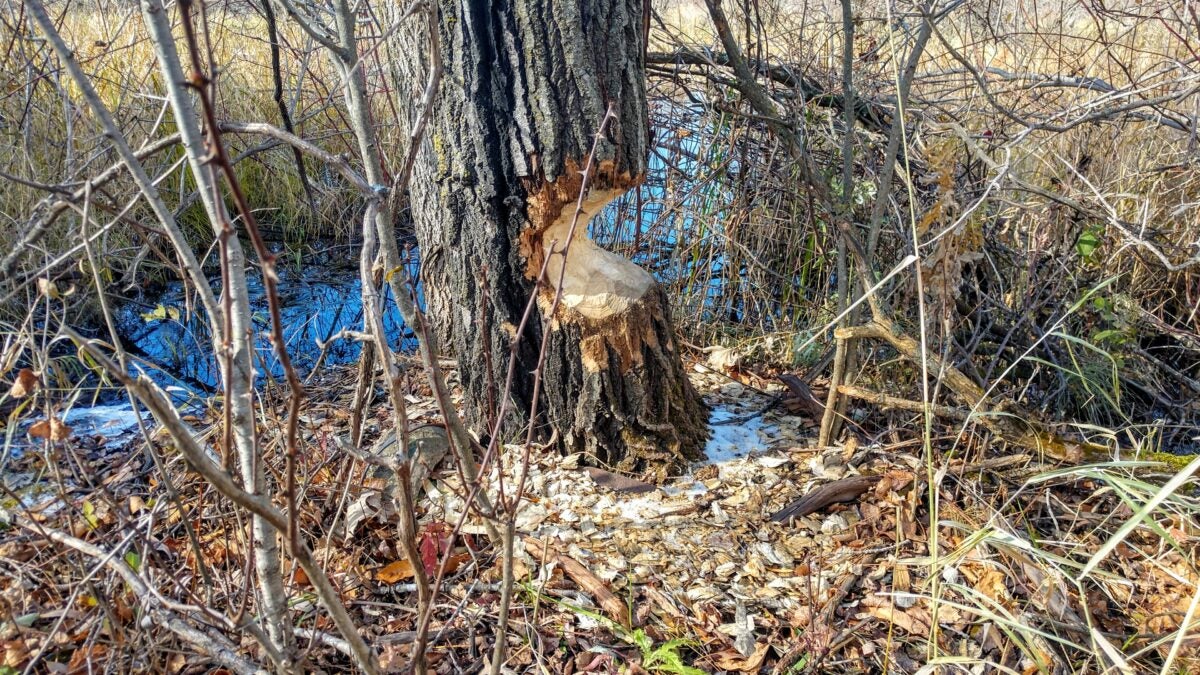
<point>595,283</point>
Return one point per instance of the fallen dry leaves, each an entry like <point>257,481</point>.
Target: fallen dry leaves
<point>846,582</point>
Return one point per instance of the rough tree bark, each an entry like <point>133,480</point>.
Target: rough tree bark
<point>526,86</point>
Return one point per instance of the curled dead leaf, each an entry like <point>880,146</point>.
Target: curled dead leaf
<point>25,384</point>
<point>894,480</point>
<point>455,561</point>
<point>732,660</point>
<point>53,429</point>
<point>83,660</point>
<point>395,571</point>
<point>393,657</point>
<point>914,621</point>
<point>47,288</point>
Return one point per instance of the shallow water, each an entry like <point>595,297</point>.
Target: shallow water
<point>33,492</point>
<point>317,302</point>
<point>732,441</point>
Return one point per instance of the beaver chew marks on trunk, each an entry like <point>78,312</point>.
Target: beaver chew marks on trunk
<point>630,404</point>
<point>596,283</point>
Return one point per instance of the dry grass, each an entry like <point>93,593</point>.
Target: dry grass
<point>51,139</point>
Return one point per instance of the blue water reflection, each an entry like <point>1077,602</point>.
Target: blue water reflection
<point>317,302</point>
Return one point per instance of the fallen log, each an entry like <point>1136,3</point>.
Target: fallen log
<point>1008,422</point>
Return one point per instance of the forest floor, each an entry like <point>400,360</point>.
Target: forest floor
<point>615,575</point>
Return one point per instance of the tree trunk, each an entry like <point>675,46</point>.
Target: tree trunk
<point>526,87</point>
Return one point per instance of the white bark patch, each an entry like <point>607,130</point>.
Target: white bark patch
<point>596,283</point>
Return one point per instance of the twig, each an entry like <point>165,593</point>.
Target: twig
<point>886,401</point>
<point>234,321</point>
<point>511,506</point>
<point>160,406</point>
<point>284,114</point>
<point>212,645</point>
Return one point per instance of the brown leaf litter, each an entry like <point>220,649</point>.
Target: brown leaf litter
<point>840,580</point>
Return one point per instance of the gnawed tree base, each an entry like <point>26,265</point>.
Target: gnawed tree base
<point>622,396</point>
<point>629,404</point>
<point>533,93</point>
